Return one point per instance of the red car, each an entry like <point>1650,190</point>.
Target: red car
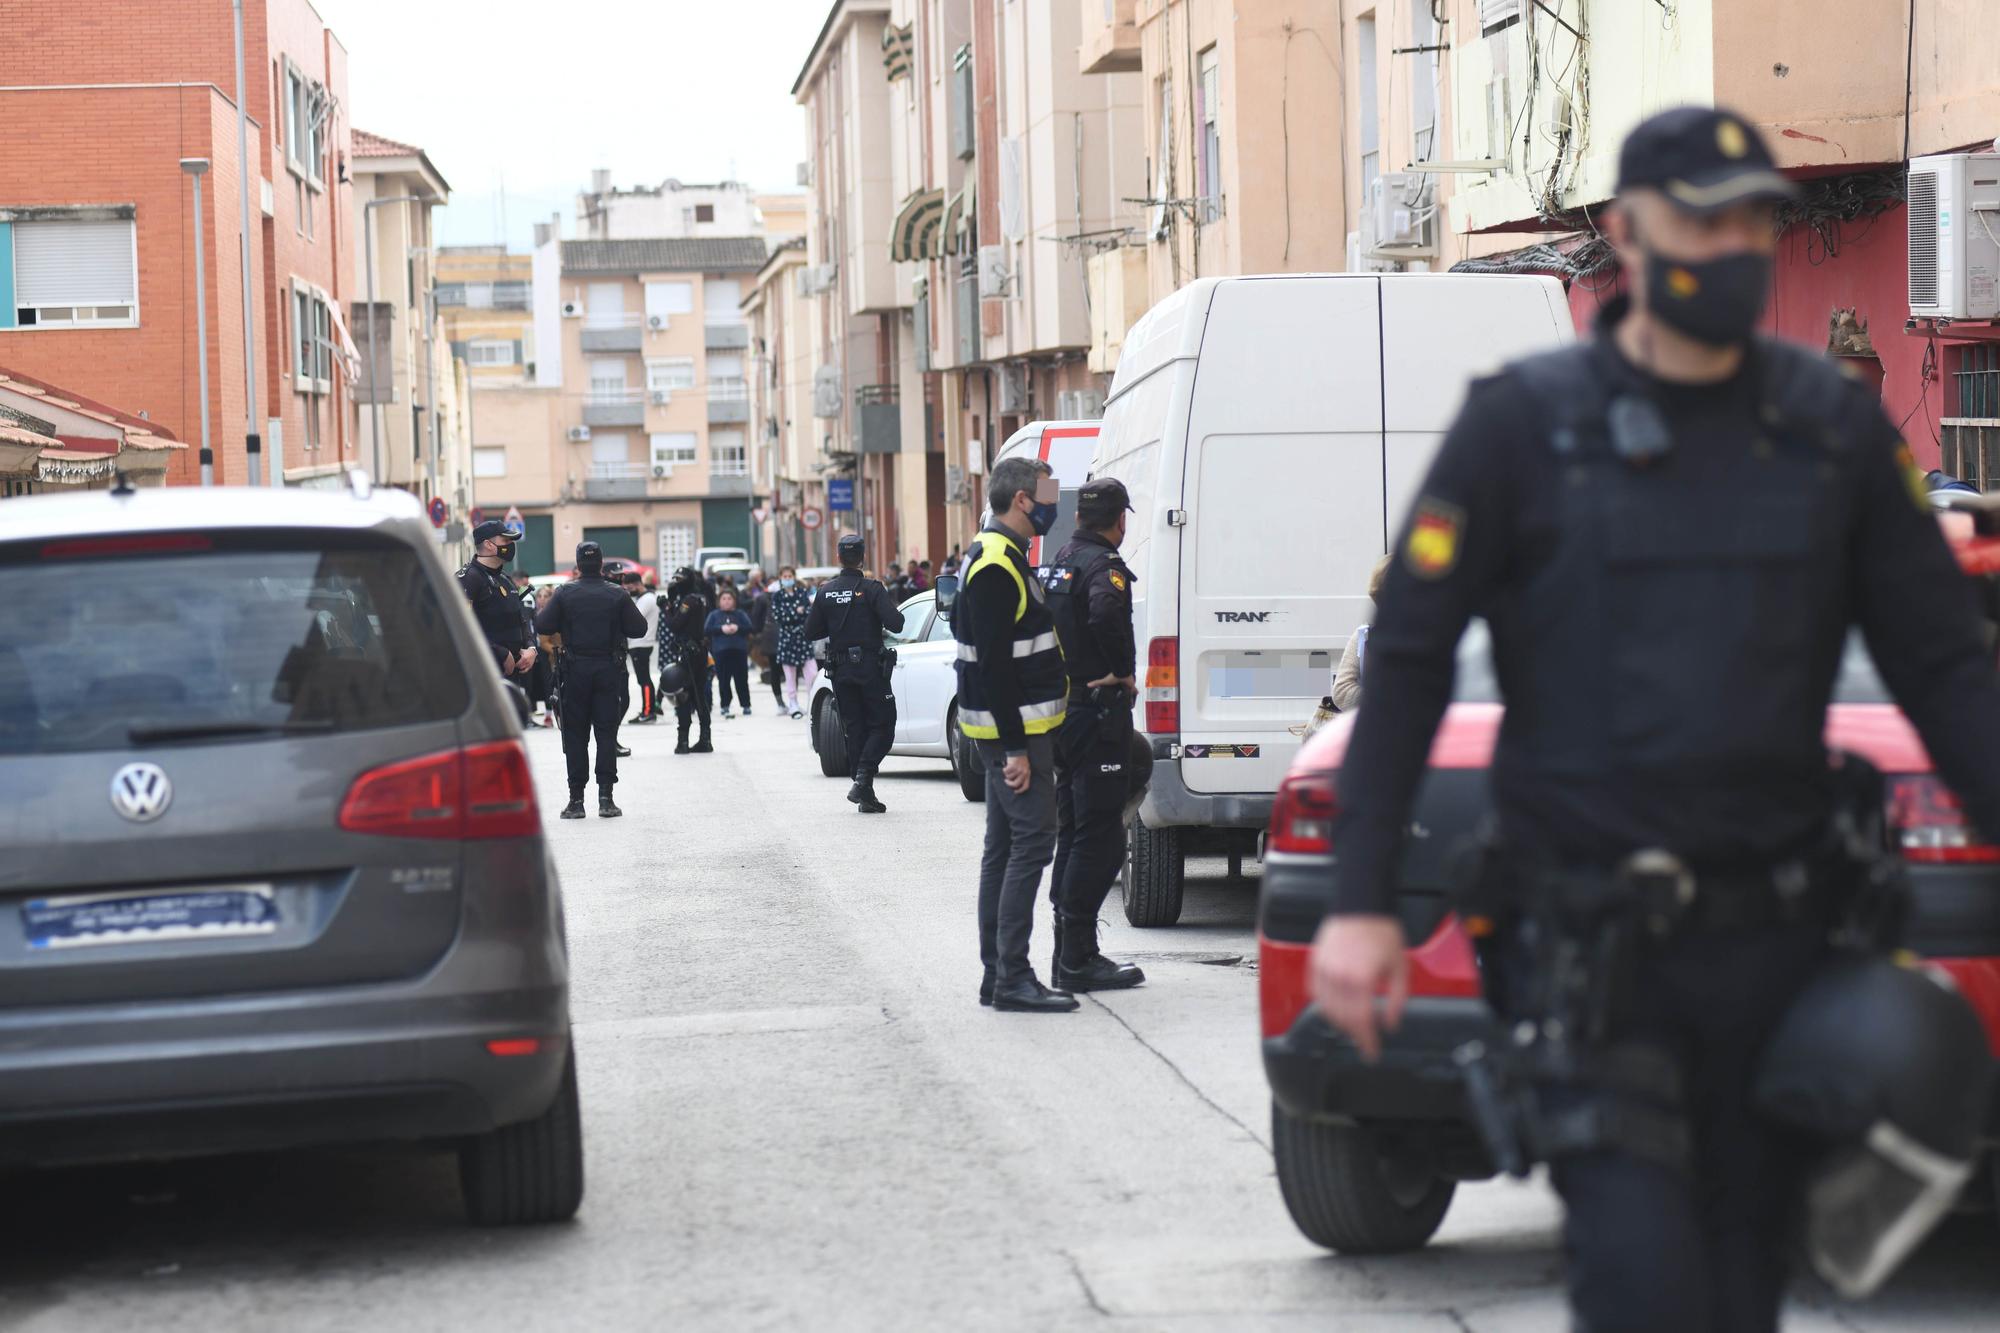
<point>1369,1155</point>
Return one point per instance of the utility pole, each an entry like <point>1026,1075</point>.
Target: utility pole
<point>253,445</point>
<point>195,167</point>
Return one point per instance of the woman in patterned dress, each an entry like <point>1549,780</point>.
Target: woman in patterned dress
<point>789,607</point>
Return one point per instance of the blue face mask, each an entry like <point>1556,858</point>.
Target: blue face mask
<point>1042,518</point>
<point>786,583</point>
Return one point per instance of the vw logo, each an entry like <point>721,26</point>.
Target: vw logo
<point>141,792</point>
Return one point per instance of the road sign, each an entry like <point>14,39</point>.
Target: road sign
<point>840,493</point>
<point>809,519</point>
<point>476,516</point>
<point>438,512</point>
<point>514,520</point>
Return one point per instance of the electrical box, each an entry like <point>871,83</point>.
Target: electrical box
<point>1954,218</point>
<point>1403,213</point>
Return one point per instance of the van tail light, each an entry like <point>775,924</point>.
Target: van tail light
<point>1302,815</point>
<point>481,791</point>
<point>1163,687</point>
<point>1930,826</point>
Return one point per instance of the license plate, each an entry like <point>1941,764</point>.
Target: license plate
<point>1271,675</point>
<point>144,917</point>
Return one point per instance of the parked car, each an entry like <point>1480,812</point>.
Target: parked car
<point>274,872</point>
<point>926,687</point>
<point>709,555</point>
<point>1245,592</point>
<point>1369,1155</point>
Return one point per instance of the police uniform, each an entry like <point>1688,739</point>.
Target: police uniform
<point>1669,572</point>
<point>684,642</point>
<point>851,613</point>
<point>504,619</point>
<point>1090,598</point>
<point>596,619</point>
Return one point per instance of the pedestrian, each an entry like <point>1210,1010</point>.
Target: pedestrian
<point>503,618</point>
<point>728,633</point>
<point>849,617</point>
<point>641,647</point>
<point>915,580</point>
<point>595,620</point>
<point>1090,597</point>
<point>1011,701</point>
<point>684,609</point>
<point>1669,530</point>
<point>790,605</point>
<point>1347,676</point>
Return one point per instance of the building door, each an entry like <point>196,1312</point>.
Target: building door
<point>677,547</point>
<point>535,553</point>
<point>617,543</point>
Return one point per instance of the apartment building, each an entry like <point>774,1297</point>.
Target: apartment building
<point>785,455</point>
<point>97,227</point>
<point>486,298</point>
<point>642,343</point>
<point>672,209</point>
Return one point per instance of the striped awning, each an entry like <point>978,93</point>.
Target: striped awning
<point>919,228</point>
<point>898,47</point>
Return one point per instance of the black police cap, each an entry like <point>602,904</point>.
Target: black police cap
<point>1103,495</point>
<point>851,544</point>
<point>490,529</point>
<point>1701,158</point>
<point>589,553</point>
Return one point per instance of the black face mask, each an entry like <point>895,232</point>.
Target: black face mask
<point>504,551</point>
<point>1715,301</point>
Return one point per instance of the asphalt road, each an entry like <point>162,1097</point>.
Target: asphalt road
<point>798,1116</point>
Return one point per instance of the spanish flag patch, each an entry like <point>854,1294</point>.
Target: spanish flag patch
<point>1117,580</point>
<point>1432,549</point>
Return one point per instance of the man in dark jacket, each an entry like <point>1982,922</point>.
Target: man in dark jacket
<point>851,613</point>
<point>684,639</point>
<point>496,600</point>
<point>596,619</point>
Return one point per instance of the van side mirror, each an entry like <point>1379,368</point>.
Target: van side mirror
<point>947,593</point>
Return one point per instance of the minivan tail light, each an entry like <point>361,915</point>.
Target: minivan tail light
<point>1163,687</point>
<point>482,791</point>
<point>1302,815</point>
<point>1930,825</point>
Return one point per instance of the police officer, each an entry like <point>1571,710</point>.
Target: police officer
<point>1669,530</point>
<point>851,614</point>
<point>684,609</point>
<point>595,619</point>
<point>1090,596</point>
<point>496,601</point>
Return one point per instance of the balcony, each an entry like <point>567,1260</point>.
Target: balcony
<point>1110,42</point>
<point>728,336</point>
<point>616,481</point>
<point>728,401</point>
<point>878,420</point>
<point>612,333</point>
<point>625,407</point>
<point>726,484</point>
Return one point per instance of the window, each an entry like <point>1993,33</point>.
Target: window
<point>304,117</point>
<point>312,340</point>
<point>489,352</point>
<point>720,298</point>
<point>916,619</point>
<point>1163,164</point>
<point>1208,147</point>
<point>1423,84</point>
<point>489,462</point>
<point>1371,148</point>
<point>668,375</point>
<point>728,454</point>
<point>704,212</point>
<point>1497,14</point>
<point>610,447</point>
<point>607,378</point>
<point>725,367</point>
<point>73,274</point>
<point>664,300</point>
<point>671,448</point>
<point>605,307</point>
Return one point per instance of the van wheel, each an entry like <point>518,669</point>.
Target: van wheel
<point>1155,867</point>
<point>830,741</point>
<point>519,1175</point>
<point>965,762</point>
<point>1344,1193</point>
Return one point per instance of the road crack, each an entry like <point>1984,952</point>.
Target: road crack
<point>1076,1271</point>
<point>1187,1082</point>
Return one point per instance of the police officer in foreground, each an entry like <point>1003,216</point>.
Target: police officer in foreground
<point>1090,596</point>
<point>684,609</point>
<point>1669,530</point>
<point>851,614</point>
<point>596,619</point>
<point>496,600</point>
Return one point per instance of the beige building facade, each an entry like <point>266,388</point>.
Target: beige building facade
<point>788,465</point>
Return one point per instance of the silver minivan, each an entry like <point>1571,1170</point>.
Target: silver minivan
<point>272,870</point>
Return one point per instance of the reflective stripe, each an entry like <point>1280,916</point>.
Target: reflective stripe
<point>1041,643</point>
<point>1035,719</point>
<point>967,653</point>
<point>997,555</point>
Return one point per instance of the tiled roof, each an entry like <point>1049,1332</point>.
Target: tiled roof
<point>374,145</point>
<point>696,254</point>
<point>33,388</point>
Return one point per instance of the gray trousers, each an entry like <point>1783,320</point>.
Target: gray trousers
<point>1020,840</point>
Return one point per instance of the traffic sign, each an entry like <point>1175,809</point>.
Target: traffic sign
<point>514,520</point>
<point>476,516</point>
<point>438,511</point>
<point>810,519</point>
<point>840,493</point>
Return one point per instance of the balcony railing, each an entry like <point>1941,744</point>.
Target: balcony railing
<point>878,422</point>
<point>726,335</point>
<point>728,400</point>
<point>623,407</point>
<point>612,333</point>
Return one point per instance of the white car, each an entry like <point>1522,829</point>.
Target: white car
<point>926,686</point>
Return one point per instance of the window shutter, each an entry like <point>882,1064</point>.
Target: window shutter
<point>1494,13</point>
<point>73,263</point>
<point>720,299</point>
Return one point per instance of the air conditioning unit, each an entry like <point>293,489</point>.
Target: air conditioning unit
<point>1361,257</point>
<point>995,278</point>
<point>826,391</point>
<point>1955,236</point>
<point>656,322</point>
<point>1080,404</point>
<point>1013,388</point>
<point>661,471</point>
<point>817,279</point>
<point>1402,214</point>
<point>661,397</point>
<point>579,434</point>
<point>956,491</point>
<point>572,310</point>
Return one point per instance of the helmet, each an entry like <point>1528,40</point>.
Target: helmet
<point>1889,1067</point>
<point>589,558</point>
<point>1138,773</point>
<point>673,680</point>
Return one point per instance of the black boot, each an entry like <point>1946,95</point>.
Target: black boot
<point>1025,995</point>
<point>623,752</point>
<point>682,746</point>
<point>1097,973</point>
<point>703,746</point>
<point>605,809</point>
<point>574,810</point>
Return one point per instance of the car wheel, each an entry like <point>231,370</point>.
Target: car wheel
<point>1155,866</point>
<point>520,1175</point>
<point>965,761</point>
<point>832,741</point>
<point>1344,1193</point>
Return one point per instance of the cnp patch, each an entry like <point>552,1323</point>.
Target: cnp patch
<point>1913,478</point>
<point>1435,529</point>
<point>1117,580</point>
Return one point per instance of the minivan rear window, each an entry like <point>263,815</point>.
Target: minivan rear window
<point>112,644</point>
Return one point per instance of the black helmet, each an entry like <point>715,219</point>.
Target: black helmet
<point>589,558</point>
<point>851,547</point>
<point>673,680</point>
<point>1888,1066</point>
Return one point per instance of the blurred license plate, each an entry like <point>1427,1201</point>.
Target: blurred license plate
<point>144,917</point>
<point>1271,675</point>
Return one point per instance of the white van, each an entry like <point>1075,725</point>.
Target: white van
<point>1272,432</point>
<point>1066,446</point>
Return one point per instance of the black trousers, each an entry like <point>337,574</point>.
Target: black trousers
<point>642,671</point>
<point>867,716</point>
<point>1701,1250</point>
<point>594,696</point>
<point>732,670</point>
<point>1091,788</point>
<point>695,699</point>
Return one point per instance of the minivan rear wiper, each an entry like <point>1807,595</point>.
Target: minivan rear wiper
<point>146,732</point>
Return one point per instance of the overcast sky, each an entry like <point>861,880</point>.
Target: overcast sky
<point>538,92</point>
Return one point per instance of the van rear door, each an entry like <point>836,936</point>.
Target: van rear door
<point>1284,494</point>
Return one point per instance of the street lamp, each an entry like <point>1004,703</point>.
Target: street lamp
<point>374,335</point>
<point>197,167</point>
